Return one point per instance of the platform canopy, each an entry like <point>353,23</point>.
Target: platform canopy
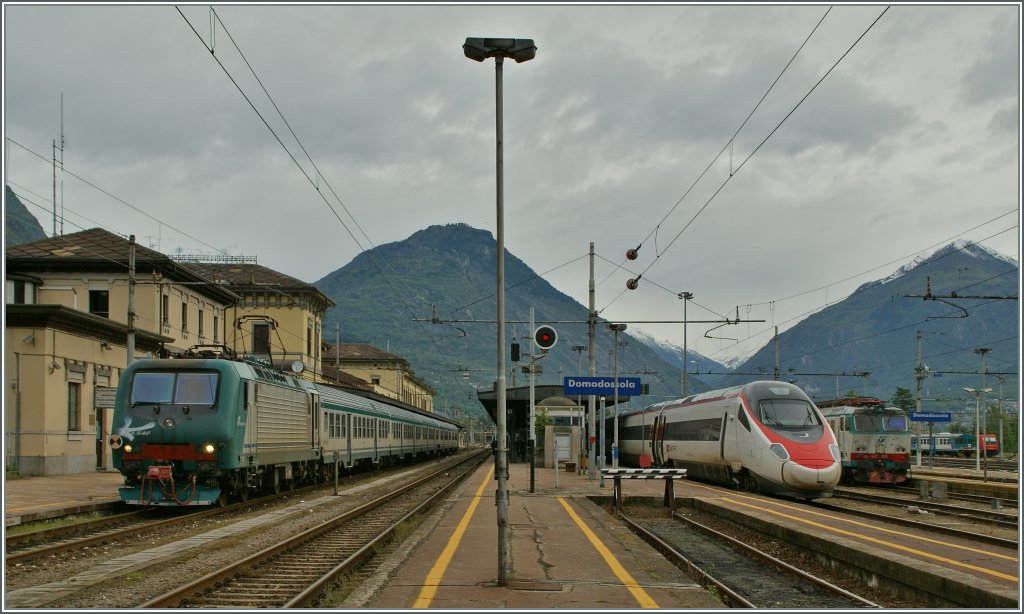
<point>517,406</point>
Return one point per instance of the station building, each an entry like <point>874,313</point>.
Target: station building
<point>66,337</point>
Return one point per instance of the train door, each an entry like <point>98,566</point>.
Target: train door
<point>349,425</point>
<point>658,439</point>
<point>251,436</point>
<point>374,425</point>
<point>728,445</point>
<point>314,421</point>
<point>743,437</point>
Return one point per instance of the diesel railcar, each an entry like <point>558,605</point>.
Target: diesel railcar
<point>765,436</point>
<point>199,431</point>
<point>874,440</point>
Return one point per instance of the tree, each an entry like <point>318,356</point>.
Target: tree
<point>540,420</point>
<point>903,399</point>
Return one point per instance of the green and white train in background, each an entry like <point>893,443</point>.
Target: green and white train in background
<point>201,431</point>
<point>874,439</point>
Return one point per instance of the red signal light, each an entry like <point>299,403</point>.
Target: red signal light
<point>545,337</point>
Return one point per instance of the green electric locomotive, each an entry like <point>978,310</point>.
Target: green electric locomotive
<point>201,431</point>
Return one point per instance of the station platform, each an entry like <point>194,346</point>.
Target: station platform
<point>564,551</point>
<point>29,499</point>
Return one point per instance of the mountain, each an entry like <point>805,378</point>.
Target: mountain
<point>432,300</point>
<point>959,300</point>
<point>709,371</point>
<point>20,226</point>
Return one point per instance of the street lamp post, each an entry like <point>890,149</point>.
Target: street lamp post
<point>977,424</point>
<point>977,417</point>
<point>686,296</point>
<point>520,50</point>
<point>616,329</point>
<point>579,349</point>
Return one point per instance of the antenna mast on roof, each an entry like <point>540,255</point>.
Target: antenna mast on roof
<point>62,141</point>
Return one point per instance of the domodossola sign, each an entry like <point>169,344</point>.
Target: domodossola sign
<point>601,386</point>
<point>930,416</point>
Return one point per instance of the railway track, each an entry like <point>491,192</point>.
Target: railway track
<point>992,464</point>
<point>1001,519</point>
<point>122,527</point>
<point>957,496</point>
<point>740,574</point>
<point>299,571</point>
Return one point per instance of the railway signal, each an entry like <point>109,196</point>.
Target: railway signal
<point>545,337</point>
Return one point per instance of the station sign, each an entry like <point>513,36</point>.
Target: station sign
<point>930,416</point>
<point>600,386</point>
<point>105,396</point>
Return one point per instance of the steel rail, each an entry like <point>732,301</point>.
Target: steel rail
<point>182,595</point>
<point>764,556</point>
<point>730,597</point>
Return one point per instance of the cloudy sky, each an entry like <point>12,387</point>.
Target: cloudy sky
<point>889,134</point>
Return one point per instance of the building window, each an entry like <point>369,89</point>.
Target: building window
<point>309,339</point>
<point>200,324</point>
<point>165,308</point>
<point>184,317</point>
<point>21,292</point>
<point>261,338</point>
<point>216,327</point>
<point>99,303</point>
<point>74,406</point>
<point>375,380</point>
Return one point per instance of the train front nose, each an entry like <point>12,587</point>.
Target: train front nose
<point>820,478</point>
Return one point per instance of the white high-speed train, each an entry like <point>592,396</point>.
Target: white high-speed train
<point>765,436</point>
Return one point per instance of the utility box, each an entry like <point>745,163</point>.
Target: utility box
<point>568,440</point>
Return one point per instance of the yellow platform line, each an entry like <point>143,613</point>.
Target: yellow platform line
<point>641,596</point>
<point>850,521</point>
<point>436,573</point>
<point>857,536</point>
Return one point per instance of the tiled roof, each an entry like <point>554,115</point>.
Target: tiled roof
<point>360,351</point>
<point>346,380</point>
<point>247,276</point>
<point>95,244</point>
<point>97,249</point>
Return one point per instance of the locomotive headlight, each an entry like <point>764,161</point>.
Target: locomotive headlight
<point>128,447</point>
<point>779,451</point>
<point>169,423</point>
<point>834,449</point>
<point>209,448</point>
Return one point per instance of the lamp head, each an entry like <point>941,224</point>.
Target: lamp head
<point>519,49</point>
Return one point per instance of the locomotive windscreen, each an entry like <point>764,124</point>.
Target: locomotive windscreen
<point>795,413</point>
<point>876,423</point>
<point>169,387</point>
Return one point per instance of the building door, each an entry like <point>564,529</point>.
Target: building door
<point>101,438</point>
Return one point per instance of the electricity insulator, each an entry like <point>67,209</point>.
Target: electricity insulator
<point>632,254</point>
<point>632,284</point>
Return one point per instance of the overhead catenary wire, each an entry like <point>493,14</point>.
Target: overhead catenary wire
<point>120,200</point>
<point>311,180</point>
<point>734,172</point>
<point>729,144</point>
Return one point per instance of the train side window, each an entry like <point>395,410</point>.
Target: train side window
<point>742,416</point>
